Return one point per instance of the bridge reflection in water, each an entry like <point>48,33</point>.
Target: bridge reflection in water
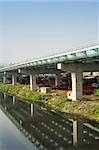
<point>47,130</point>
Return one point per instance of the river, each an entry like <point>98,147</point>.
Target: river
<point>27,126</point>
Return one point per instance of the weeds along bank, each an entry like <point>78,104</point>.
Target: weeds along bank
<point>86,108</point>
<point>23,93</point>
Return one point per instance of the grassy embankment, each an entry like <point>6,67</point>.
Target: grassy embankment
<point>58,101</point>
<point>23,93</point>
<point>86,108</point>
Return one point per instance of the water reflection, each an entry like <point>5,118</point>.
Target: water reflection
<point>4,96</point>
<point>32,109</point>
<point>47,130</point>
<point>74,132</point>
<point>10,137</point>
<point>13,100</point>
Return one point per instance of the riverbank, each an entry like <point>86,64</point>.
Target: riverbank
<point>23,92</point>
<point>83,108</point>
<point>57,101</point>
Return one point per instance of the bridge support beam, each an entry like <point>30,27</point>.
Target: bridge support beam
<point>77,77</point>
<point>77,92</point>
<point>33,85</point>
<point>57,79</point>
<point>14,79</point>
<point>4,77</point>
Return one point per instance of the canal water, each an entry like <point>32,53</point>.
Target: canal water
<point>22,123</point>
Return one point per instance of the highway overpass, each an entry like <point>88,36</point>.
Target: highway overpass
<point>74,62</point>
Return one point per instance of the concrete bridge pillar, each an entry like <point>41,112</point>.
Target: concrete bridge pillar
<point>57,79</point>
<point>14,80</point>
<point>4,77</point>
<point>77,79</point>
<point>77,86</point>
<point>33,85</point>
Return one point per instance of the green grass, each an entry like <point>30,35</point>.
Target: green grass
<point>97,92</point>
<point>94,112</point>
<point>27,94</point>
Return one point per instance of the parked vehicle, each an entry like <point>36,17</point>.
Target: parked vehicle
<point>88,89</point>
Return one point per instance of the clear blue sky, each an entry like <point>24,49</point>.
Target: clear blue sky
<point>33,29</point>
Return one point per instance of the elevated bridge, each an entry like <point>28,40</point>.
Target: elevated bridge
<point>74,62</point>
